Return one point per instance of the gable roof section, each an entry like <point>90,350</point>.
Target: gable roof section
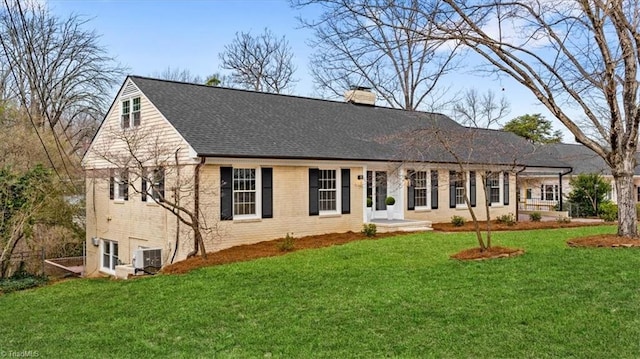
<point>221,122</point>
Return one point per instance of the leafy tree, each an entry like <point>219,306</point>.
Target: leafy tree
<point>384,49</point>
<point>28,199</point>
<point>589,191</point>
<point>534,128</point>
<point>261,63</point>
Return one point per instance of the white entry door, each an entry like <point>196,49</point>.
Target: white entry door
<point>377,191</point>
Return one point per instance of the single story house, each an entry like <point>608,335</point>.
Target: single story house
<point>252,166</point>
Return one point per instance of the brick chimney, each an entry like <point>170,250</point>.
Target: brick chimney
<point>360,96</point>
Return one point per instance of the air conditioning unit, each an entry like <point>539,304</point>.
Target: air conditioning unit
<point>147,257</point>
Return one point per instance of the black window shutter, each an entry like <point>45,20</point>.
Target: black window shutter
<point>143,192</point>
<point>411,190</point>
<point>313,192</point>
<point>472,188</point>
<point>226,193</point>
<point>434,189</point>
<point>506,188</point>
<point>267,193</point>
<point>345,177</point>
<point>111,184</point>
<point>452,189</point>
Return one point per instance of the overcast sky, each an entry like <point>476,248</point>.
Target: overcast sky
<point>149,36</point>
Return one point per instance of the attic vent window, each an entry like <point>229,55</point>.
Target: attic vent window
<point>130,113</point>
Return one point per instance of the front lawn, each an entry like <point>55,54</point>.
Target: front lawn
<point>394,297</point>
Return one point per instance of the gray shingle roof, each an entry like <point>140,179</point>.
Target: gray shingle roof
<point>237,123</point>
<point>581,158</point>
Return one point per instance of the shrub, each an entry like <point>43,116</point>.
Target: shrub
<point>608,211</point>
<point>588,191</point>
<point>369,202</point>
<point>287,244</point>
<point>535,216</point>
<point>390,201</point>
<point>369,229</point>
<point>20,281</point>
<point>508,219</point>
<point>457,221</point>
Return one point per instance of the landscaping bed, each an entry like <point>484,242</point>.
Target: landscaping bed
<point>273,248</point>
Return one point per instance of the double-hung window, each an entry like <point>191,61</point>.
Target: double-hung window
<point>420,183</point>
<point>550,192</point>
<point>119,185</point>
<point>244,191</point>
<point>493,187</point>
<point>130,116</point>
<point>153,185</point>
<point>109,256</point>
<point>458,183</point>
<point>327,190</point>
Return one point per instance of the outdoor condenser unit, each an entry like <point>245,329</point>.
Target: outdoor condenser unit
<point>147,257</point>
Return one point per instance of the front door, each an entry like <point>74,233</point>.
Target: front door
<point>377,191</point>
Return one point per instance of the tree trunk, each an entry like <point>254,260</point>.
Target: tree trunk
<point>627,216</point>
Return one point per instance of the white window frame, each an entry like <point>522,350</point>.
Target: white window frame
<point>338,183</point>
<point>554,192</point>
<point>119,184</point>
<point>114,259</point>
<point>130,121</point>
<point>426,188</point>
<point>152,179</point>
<point>466,184</point>
<point>499,187</point>
<point>257,193</point>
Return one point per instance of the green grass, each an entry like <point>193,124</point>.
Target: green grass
<point>394,297</point>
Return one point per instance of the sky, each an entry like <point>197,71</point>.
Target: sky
<point>148,36</point>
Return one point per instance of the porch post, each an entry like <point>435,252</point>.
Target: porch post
<point>560,189</point>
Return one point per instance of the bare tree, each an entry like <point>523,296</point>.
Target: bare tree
<point>386,48</point>
<point>482,111</point>
<point>145,163</point>
<point>177,74</point>
<point>261,63</point>
<point>474,153</point>
<point>579,58</point>
<point>57,71</point>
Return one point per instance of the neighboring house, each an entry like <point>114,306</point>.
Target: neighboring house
<point>259,166</point>
<point>544,191</point>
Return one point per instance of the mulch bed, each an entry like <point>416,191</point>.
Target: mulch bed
<point>494,252</point>
<point>271,248</point>
<point>268,249</point>
<point>605,240</point>
<point>518,226</point>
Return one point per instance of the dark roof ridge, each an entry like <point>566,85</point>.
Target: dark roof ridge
<point>281,95</point>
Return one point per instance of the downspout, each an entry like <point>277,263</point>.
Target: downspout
<point>196,197</point>
<point>560,175</point>
<point>177,199</point>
